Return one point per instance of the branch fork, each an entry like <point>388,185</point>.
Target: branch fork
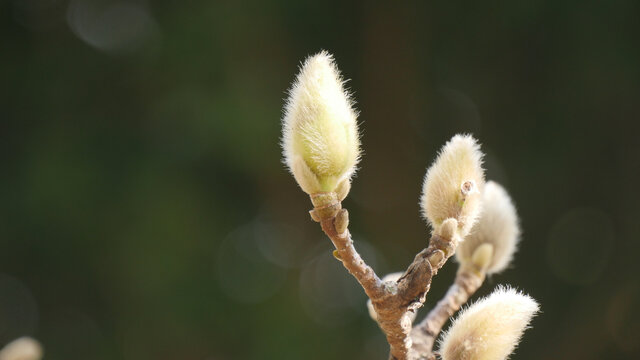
<point>393,301</point>
<point>321,148</point>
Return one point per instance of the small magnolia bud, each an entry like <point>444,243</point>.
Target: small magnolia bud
<point>320,134</point>
<point>390,278</point>
<point>497,225</point>
<point>453,183</point>
<point>491,328</point>
<point>24,348</point>
<point>482,256</point>
<point>342,221</point>
<point>436,259</point>
<point>448,228</point>
<point>343,188</point>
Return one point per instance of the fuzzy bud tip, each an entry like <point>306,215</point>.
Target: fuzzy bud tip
<point>320,134</point>
<point>453,184</point>
<point>491,328</point>
<point>24,348</point>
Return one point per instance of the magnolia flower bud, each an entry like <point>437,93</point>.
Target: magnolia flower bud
<point>453,183</point>
<point>391,279</point>
<point>491,328</point>
<point>497,226</point>
<point>320,134</point>
<point>24,348</point>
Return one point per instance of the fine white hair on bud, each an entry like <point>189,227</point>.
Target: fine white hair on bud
<point>320,133</point>
<point>497,226</point>
<point>491,328</point>
<point>453,184</point>
<point>24,348</point>
<point>390,280</point>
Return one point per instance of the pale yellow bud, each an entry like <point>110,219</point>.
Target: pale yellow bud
<point>320,134</point>
<point>390,281</point>
<point>448,228</point>
<point>24,348</point>
<point>491,328</point>
<point>453,184</point>
<point>497,225</point>
<point>482,257</point>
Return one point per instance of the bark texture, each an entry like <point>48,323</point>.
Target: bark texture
<point>424,334</point>
<point>393,301</point>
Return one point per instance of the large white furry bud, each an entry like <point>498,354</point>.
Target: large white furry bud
<point>320,134</point>
<point>24,348</point>
<point>496,227</point>
<point>453,184</point>
<point>491,328</point>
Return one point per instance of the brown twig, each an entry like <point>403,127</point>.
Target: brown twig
<point>334,221</point>
<point>424,334</point>
<point>392,302</point>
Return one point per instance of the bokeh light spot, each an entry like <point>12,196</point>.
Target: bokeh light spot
<point>243,272</point>
<point>113,27</point>
<point>328,293</point>
<point>281,244</point>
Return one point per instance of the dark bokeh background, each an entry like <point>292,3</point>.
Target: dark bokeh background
<point>145,212</point>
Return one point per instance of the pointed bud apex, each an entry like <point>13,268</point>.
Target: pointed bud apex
<point>491,328</point>
<point>320,135</point>
<point>497,225</point>
<point>453,184</point>
<point>24,348</point>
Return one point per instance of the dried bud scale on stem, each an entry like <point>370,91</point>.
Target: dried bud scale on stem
<point>390,282</point>
<point>453,184</point>
<point>491,328</point>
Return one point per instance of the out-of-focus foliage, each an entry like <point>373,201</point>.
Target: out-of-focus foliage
<point>145,212</point>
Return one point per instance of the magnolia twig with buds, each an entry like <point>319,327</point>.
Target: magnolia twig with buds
<point>488,249</point>
<point>321,148</point>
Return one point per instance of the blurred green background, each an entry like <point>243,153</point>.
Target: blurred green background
<point>145,212</point>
